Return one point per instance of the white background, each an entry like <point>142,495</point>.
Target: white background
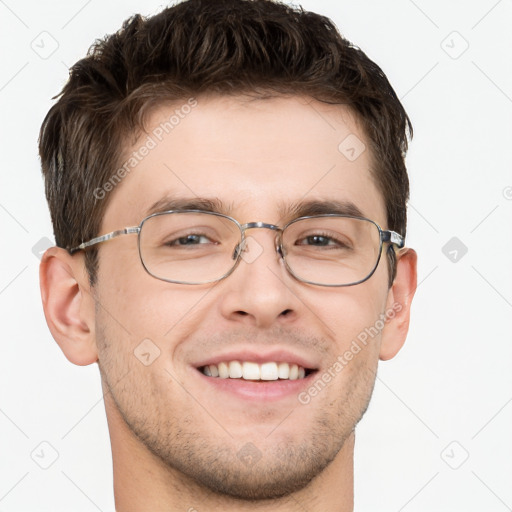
<point>445,397</point>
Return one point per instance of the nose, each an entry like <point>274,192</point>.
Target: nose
<point>260,290</point>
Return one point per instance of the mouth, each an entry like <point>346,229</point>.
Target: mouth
<point>255,376</point>
<point>256,372</point>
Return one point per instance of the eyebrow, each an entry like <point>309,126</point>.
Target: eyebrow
<point>319,207</point>
<point>286,211</point>
<point>213,204</point>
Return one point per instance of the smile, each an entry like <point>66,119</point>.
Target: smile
<point>247,370</point>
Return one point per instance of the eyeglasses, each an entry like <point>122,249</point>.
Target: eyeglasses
<point>200,247</point>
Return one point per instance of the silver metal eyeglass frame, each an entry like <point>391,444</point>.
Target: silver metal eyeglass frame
<point>386,236</point>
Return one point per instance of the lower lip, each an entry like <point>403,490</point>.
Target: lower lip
<point>262,391</point>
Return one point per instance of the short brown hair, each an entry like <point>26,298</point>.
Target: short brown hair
<point>196,47</point>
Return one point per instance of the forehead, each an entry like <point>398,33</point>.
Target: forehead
<point>257,158</point>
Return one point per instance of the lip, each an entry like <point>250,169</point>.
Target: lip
<point>258,391</point>
<point>260,356</point>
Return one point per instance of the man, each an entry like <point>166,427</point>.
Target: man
<point>228,191</point>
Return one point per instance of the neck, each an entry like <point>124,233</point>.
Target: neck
<point>142,482</point>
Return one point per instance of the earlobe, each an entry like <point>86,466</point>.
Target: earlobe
<point>398,306</point>
<point>68,305</point>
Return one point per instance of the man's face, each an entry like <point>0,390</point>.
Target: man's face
<point>246,439</point>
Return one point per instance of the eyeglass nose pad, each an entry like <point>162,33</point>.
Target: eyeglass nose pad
<point>279,249</point>
<point>239,249</point>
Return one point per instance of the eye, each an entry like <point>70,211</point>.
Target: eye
<point>319,240</point>
<point>189,240</point>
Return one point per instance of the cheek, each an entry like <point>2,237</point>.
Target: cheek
<point>137,307</point>
<point>349,312</point>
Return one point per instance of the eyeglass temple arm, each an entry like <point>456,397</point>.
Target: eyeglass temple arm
<point>104,238</point>
<point>394,238</point>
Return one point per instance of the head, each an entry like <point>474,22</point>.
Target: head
<point>246,106</point>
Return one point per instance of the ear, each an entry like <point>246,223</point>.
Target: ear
<point>398,305</point>
<point>68,304</point>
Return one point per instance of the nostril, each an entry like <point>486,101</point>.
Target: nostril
<point>286,312</point>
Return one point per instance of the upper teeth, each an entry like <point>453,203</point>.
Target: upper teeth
<point>254,371</point>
